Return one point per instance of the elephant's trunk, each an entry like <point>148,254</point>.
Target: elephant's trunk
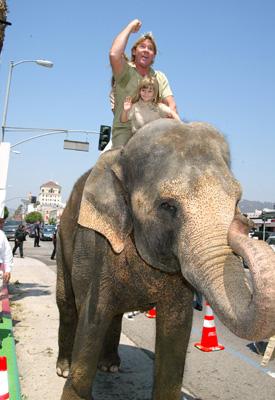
<point>245,304</point>
<point>260,258</point>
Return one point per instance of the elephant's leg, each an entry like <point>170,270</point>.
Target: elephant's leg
<point>94,320</point>
<point>67,318</point>
<point>109,357</point>
<point>173,327</point>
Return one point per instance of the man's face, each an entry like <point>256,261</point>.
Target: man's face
<point>144,53</point>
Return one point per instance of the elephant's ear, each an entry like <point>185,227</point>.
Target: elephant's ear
<point>103,206</point>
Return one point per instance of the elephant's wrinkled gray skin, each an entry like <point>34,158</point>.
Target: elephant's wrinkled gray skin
<point>157,218</point>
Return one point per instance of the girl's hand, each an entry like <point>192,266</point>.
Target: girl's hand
<point>127,104</point>
<point>6,277</point>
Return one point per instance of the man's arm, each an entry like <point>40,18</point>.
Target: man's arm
<point>165,91</point>
<point>117,50</point>
<point>170,102</point>
<point>166,112</point>
<point>175,115</point>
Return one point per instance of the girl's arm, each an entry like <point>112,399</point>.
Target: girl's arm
<point>127,105</point>
<point>124,116</point>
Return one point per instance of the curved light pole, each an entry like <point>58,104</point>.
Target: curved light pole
<point>42,63</point>
<point>5,147</point>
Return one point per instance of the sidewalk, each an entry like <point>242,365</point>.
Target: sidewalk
<point>35,316</point>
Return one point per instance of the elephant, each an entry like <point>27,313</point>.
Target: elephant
<point>150,223</point>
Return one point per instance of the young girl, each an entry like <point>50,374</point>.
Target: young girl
<point>145,106</point>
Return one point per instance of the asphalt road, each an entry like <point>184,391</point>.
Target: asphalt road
<point>42,253</point>
<point>231,374</point>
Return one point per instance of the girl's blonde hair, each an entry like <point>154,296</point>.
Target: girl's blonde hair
<point>144,83</point>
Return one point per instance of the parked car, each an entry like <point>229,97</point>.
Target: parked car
<point>28,228</point>
<point>259,234</point>
<point>10,227</point>
<point>47,232</point>
<point>31,230</point>
<point>271,241</point>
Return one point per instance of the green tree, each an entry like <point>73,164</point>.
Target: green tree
<point>33,216</point>
<point>52,221</point>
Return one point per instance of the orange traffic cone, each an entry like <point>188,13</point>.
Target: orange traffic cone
<point>151,313</point>
<point>209,340</point>
<point>4,383</point>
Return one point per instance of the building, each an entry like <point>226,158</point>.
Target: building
<point>49,201</point>
<point>50,195</point>
<point>264,222</point>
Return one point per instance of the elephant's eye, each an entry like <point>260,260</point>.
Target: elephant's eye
<point>169,207</point>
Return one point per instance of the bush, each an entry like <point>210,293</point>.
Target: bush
<point>33,216</point>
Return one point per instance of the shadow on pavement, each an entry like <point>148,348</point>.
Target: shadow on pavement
<point>19,290</point>
<point>134,381</point>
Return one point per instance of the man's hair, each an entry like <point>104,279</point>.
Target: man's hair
<point>148,36</point>
<point>147,81</point>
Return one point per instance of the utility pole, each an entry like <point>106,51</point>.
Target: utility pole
<point>4,157</point>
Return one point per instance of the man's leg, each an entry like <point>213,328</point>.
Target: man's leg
<point>21,249</point>
<point>15,247</point>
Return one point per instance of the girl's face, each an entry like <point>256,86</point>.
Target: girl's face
<point>147,94</point>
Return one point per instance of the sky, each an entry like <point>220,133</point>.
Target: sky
<point>218,55</point>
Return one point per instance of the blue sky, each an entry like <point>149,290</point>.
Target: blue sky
<point>219,57</point>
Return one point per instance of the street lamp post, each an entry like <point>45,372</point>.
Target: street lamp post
<point>42,63</point>
<point>4,146</point>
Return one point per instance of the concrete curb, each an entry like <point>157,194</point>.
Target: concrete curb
<point>8,347</point>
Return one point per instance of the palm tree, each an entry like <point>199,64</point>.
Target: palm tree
<point>3,21</point>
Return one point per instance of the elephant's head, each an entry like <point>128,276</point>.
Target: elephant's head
<point>173,187</point>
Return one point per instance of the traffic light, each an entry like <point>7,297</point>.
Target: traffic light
<point>104,137</point>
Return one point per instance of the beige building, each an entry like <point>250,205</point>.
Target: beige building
<point>50,204</point>
<point>50,194</point>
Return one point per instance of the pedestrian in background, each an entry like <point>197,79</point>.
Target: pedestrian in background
<point>37,234</point>
<point>19,238</point>
<point>6,258</point>
<point>54,244</point>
